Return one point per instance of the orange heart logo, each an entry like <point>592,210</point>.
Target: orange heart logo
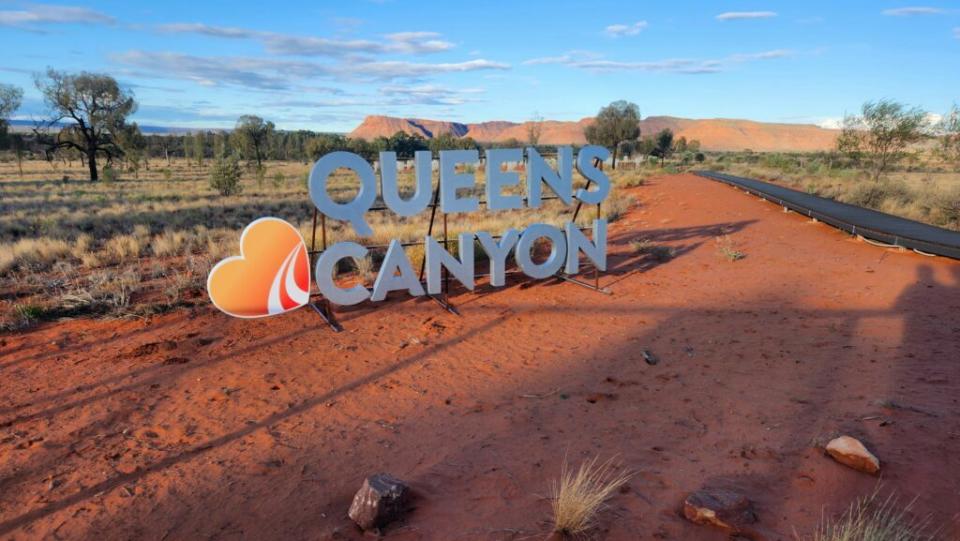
<point>269,277</point>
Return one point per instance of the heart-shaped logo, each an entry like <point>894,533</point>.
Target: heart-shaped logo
<point>269,277</point>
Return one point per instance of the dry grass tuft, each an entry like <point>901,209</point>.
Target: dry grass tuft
<point>870,519</point>
<point>579,495</point>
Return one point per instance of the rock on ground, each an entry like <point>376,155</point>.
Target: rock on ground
<point>381,500</point>
<point>851,452</point>
<point>725,509</point>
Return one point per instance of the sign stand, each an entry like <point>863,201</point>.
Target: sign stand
<point>595,286</point>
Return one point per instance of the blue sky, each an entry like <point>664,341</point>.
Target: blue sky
<point>325,65</point>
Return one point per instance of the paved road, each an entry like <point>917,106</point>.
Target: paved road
<point>856,220</point>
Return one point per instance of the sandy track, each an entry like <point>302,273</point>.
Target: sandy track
<point>194,425</point>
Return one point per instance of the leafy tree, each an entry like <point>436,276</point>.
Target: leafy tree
<point>225,176</point>
<point>882,132</point>
<point>252,136</point>
<point>134,145</point>
<point>405,144</point>
<point>315,147</point>
<point>10,99</point>
<point>614,124</point>
<point>444,141</point>
<point>97,107</point>
<point>681,145</point>
<point>663,145</point>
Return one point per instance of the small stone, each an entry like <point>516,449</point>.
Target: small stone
<point>650,358</point>
<point>381,500</point>
<point>850,452</point>
<point>724,509</point>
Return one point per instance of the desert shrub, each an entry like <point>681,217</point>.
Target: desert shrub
<point>727,250</point>
<point>579,495</point>
<point>110,174</point>
<point>38,253</point>
<point>658,251</point>
<point>278,179</point>
<point>122,248</point>
<point>260,174</point>
<point>616,206</point>
<point>699,157</point>
<point>169,243</point>
<point>225,177</point>
<point>876,194</point>
<point>869,519</point>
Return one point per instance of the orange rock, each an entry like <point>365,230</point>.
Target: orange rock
<point>850,452</point>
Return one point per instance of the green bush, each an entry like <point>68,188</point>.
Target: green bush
<point>110,174</point>
<point>225,176</point>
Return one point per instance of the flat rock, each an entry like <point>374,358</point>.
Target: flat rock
<point>725,509</point>
<point>381,500</point>
<point>851,452</point>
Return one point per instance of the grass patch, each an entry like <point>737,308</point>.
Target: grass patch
<point>727,250</point>
<point>872,519</point>
<point>580,494</point>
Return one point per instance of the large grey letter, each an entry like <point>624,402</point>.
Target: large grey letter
<point>497,179</point>
<point>451,181</point>
<point>561,180</point>
<point>354,210</point>
<point>577,242</point>
<point>558,251</point>
<point>388,280</point>
<point>391,191</point>
<point>588,171</point>
<point>497,253</point>
<point>326,264</point>
<point>438,257</point>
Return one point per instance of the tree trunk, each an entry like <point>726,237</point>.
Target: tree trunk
<point>614,164</point>
<point>92,164</point>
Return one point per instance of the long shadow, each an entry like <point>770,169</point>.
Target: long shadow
<point>78,346</point>
<point>8,526</point>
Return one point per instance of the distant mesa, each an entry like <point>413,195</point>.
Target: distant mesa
<point>713,134</point>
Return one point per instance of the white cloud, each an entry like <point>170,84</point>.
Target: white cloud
<point>392,69</point>
<point>429,95</point>
<point>277,74</point>
<point>207,30</point>
<point>286,44</point>
<point>741,15</point>
<point>594,62</point>
<point>40,14</point>
<point>618,30</point>
<point>913,10</point>
<point>831,123</point>
<point>262,74</point>
<point>765,55</point>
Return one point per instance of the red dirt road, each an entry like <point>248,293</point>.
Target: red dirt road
<point>195,425</point>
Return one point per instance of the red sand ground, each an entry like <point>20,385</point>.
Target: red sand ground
<point>195,425</point>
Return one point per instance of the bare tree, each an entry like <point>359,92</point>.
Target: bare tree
<point>253,136</point>
<point>96,109</point>
<point>534,129</point>
<point>881,133</point>
<point>615,123</point>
